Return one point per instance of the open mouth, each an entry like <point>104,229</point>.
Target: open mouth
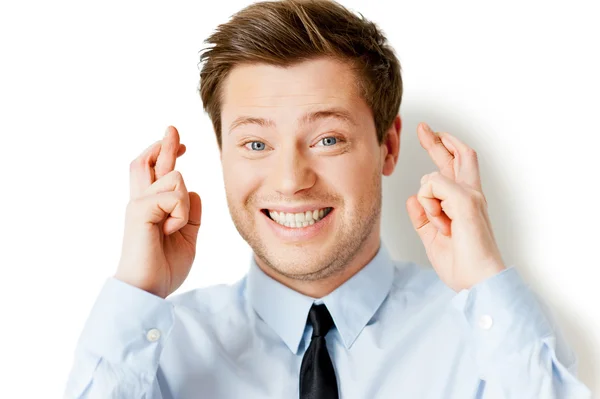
<point>297,220</point>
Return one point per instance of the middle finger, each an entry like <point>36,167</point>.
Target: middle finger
<point>142,169</point>
<point>165,162</point>
<point>438,152</point>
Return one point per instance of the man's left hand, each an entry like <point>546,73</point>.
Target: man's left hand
<point>450,214</point>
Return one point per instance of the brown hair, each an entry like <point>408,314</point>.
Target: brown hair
<point>285,32</point>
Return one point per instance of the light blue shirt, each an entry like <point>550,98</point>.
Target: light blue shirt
<point>399,333</point>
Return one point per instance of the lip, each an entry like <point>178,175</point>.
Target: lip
<point>299,234</point>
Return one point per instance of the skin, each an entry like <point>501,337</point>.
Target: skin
<point>286,163</point>
<point>296,167</point>
<point>450,214</point>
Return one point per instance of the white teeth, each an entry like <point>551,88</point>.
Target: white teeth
<point>296,220</point>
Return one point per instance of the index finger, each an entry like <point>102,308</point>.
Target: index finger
<point>467,165</point>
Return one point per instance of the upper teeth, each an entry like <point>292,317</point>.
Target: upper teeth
<point>301,219</point>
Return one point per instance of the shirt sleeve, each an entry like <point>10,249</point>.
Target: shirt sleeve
<point>118,351</point>
<point>518,347</point>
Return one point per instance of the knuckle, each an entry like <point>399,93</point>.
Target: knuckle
<point>480,197</point>
<point>132,206</point>
<point>449,163</point>
<point>476,199</point>
<point>427,177</point>
<point>180,196</point>
<point>134,164</point>
<point>139,163</point>
<point>471,153</point>
<point>180,183</point>
<point>481,200</point>
<point>176,175</point>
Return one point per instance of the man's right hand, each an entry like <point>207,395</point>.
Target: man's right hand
<point>161,221</point>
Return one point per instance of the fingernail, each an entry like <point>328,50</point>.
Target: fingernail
<point>426,127</point>
<point>167,131</point>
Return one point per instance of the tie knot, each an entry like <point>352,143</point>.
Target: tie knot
<point>320,319</point>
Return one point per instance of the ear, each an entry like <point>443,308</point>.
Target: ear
<point>390,148</point>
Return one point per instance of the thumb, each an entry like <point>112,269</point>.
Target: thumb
<point>425,229</point>
<point>190,230</point>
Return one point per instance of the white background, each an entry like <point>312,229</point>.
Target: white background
<point>84,88</point>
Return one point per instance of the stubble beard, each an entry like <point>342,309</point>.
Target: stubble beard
<point>311,265</point>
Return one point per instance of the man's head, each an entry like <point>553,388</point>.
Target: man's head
<point>304,98</point>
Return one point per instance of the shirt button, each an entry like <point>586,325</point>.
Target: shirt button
<point>153,335</point>
<point>485,322</point>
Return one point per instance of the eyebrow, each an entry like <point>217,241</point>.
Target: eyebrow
<point>337,113</point>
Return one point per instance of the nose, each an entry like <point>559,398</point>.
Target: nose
<point>292,172</point>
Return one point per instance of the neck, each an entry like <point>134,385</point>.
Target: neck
<point>320,288</point>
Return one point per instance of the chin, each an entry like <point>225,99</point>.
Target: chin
<point>301,261</point>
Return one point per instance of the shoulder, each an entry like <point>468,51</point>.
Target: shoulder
<point>212,299</point>
<point>413,280</point>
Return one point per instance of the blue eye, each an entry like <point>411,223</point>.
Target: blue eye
<point>258,147</point>
<point>328,141</point>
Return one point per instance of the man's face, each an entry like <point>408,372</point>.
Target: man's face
<point>279,160</point>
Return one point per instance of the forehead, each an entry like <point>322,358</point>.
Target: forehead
<point>314,82</point>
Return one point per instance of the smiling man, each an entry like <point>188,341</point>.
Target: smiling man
<point>304,99</point>
<point>302,168</point>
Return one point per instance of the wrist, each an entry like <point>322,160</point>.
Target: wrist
<point>486,273</point>
<point>150,288</point>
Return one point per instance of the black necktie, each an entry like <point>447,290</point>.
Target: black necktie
<point>317,376</point>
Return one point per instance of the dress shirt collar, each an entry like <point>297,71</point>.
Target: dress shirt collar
<point>351,305</point>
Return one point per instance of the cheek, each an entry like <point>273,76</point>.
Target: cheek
<point>241,181</point>
<point>350,177</point>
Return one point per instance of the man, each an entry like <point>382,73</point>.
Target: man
<point>304,100</point>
